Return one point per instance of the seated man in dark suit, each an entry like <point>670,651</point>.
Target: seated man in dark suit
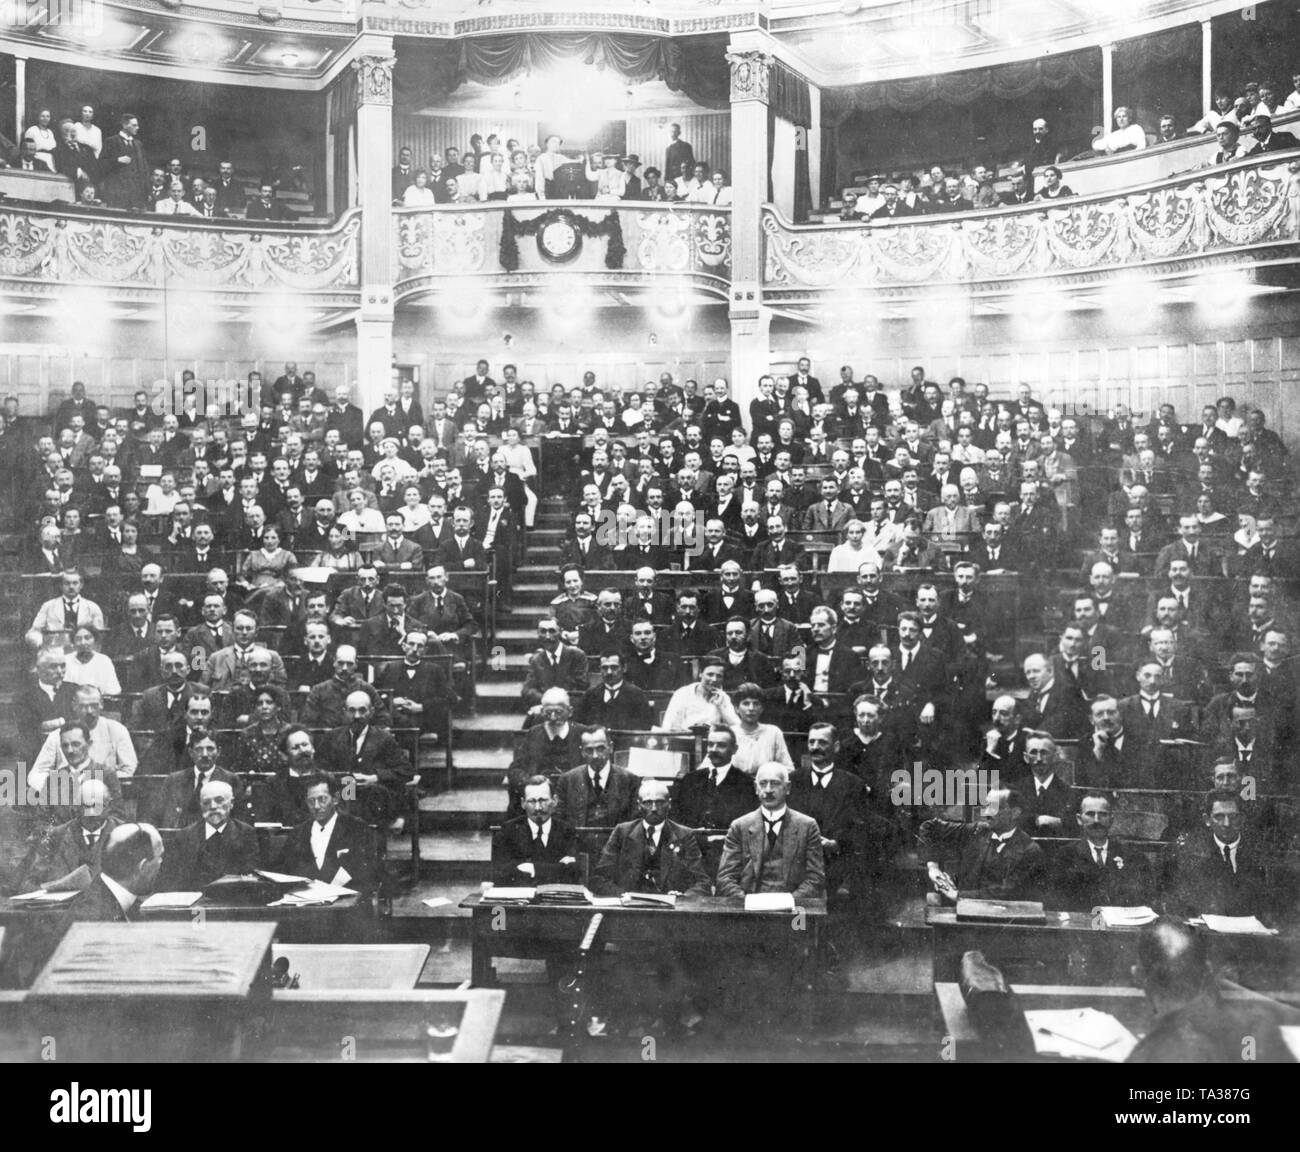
<point>1052,706</point>
<point>596,794</point>
<point>535,848</point>
<point>78,843</point>
<point>130,863</point>
<point>1111,758</point>
<point>177,805</point>
<point>372,758</point>
<point>1098,869</point>
<point>554,665</point>
<point>651,853</point>
<point>615,702</point>
<point>717,793</point>
<point>837,801</point>
<point>43,704</point>
<point>546,749</point>
<point>212,847</point>
<point>421,693</point>
<point>1005,740</point>
<point>996,859</point>
<point>791,705</point>
<point>1049,803</point>
<point>331,847</point>
<point>1194,1024</point>
<point>1224,868</point>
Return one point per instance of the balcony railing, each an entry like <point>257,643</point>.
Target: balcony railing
<point>1250,208</point>
<point>602,244</point>
<point>134,256</point>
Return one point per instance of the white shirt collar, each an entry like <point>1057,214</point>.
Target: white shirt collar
<point>124,898</point>
<point>774,817</point>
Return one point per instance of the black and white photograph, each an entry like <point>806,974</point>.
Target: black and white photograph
<point>650,532</point>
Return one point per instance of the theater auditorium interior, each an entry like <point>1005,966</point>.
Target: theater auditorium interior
<point>619,531</point>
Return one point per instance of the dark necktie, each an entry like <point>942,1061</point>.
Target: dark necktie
<point>1227,857</point>
<point>771,832</point>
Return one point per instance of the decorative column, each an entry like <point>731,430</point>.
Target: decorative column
<point>1207,64</point>
<point>1107,87</point>
<point>20,98</point>
<point>750,321</point>
<point>374,127</point>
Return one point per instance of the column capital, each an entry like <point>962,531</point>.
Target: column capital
<point>750,75</point>
<point>374,78</point>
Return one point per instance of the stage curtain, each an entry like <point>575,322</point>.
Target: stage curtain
<point>427,71</point>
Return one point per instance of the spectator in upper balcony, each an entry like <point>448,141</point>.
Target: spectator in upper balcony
<point>653,188</point>
<point>632,187</point>
<point>1167,133</point>
<point>1292,101</point>
<point>123,176</point>
<point>1267,103</point>
<point>1266,140</point>
<point>849,206</point>
<point>418,194</point>
<point>1021,192</point>
<point>1222,110</point>
<point>1230,146</point>
<point>210,206</point>
<point>230,194</point>
<point>871,199</point>
<point>717,191</point>
<point>950,198</point>
<point>910,194</point>
<point>892,206</point>
<point>403,173</point>
<point>1052,188</point>
<point>494,182</point>
<point>1127,135</point>
<point>683,180</point>
<point>453,168</point>
<point>700,189</point>
<point>29,160</point>
<point>88,132</point>
<point>265,206</point>
<point>157,189</point>
<point>544,167</point>
<point>679,152</point>
<point>175,204</point>
<point>71,158</point>
<point>42,135</point>
<point>452,193</point>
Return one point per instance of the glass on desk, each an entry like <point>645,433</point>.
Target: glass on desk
<point>440,1040</point>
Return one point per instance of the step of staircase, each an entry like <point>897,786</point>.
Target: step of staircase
<point>448,855</point>
<point>467,808</point>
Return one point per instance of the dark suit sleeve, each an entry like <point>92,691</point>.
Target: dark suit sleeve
<point>732,864</point>
<point>813,886</point>
<point>605,882</point>
<point>692,865</point>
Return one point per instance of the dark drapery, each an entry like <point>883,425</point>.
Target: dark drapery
<point>343,117</point>
<point>428,70</point>
<point>789,99</point>
<point>1001,82</point>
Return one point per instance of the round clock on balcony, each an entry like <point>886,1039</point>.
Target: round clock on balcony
<point>559,239</point>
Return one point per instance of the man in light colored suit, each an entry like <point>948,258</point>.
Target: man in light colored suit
<point>774,848</point>
<point>228,667</point>
<point>830,513</point>
<point>950,524</point>
<point>66,612</point>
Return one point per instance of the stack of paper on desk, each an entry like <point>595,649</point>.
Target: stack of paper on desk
<point>41,898</point>
<point>1240,925</point>
<point>1114,917</point>
<point>769,902</point>
<point>315,892</point>
<point>649,900</point>
<point>562,894</point>
<point>1081,1034</point>
<point>496,895</point>
<point>172,900</point>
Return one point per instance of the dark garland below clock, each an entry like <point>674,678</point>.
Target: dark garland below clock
<point>609,226</point>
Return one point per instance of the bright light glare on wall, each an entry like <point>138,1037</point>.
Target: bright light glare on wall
<point>944,319</point>
<point>84,319</point>
<point>1130,304</point>
<point>573,97</point>
<point>281,325</point>
<point>568,309</point>
<point>1222,296</point>
<point>464,307</point>
<point>1036,310</point>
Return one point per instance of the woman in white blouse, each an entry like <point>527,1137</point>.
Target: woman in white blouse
<point>494,179</point>
<point>853,553</point>
<point>87,665</point>
<point>42,135</point>
<point>88,132</point>
<point>756,743</point>
<point>717,191</point>
<point>419,194</point>
<point>1127,136</point>
<point>415,513</point>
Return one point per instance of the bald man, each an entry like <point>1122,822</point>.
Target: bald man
<point>213,846</point>
<point>131,861</point>
<point>371,757</point>
<point>651,853</point>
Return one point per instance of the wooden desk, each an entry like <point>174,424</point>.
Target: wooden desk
<point>361,967</point>
<point>382,1027</point>
<point>538,930</point>
<point>349,920</point>
<point>1128,1005</point>
<point>1069,950</point>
